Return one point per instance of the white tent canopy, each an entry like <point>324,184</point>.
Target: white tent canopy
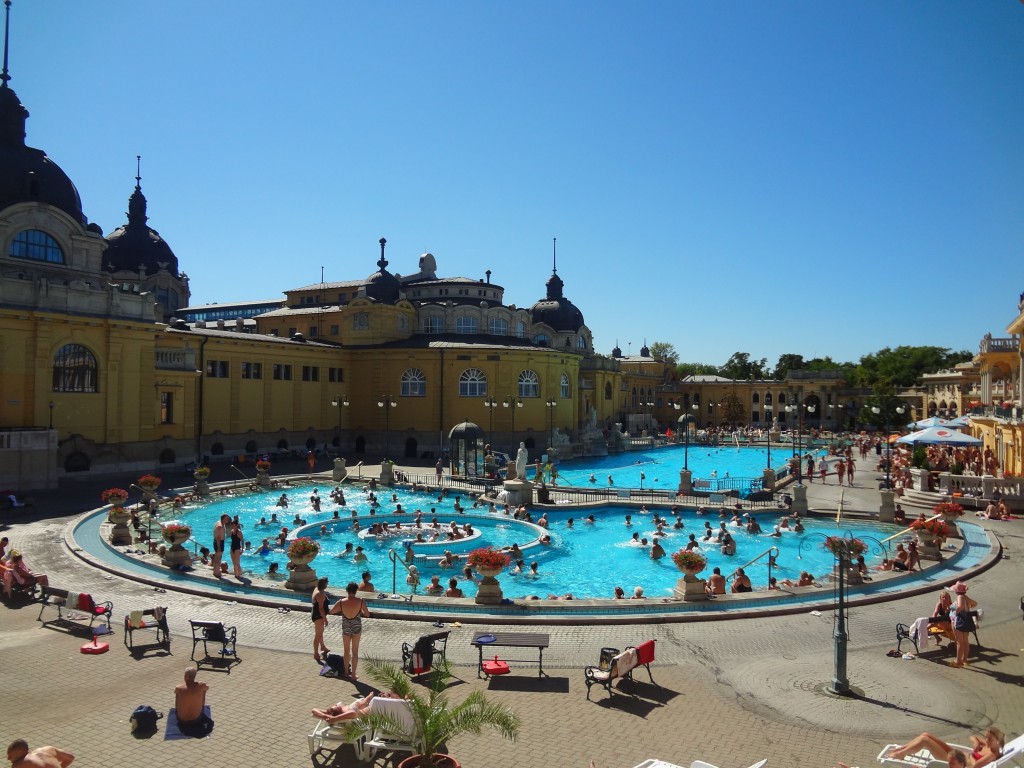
<point>931,421</point>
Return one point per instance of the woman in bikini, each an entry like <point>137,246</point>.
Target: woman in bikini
<point>320,607</point>
<point>985,749</point>
<point>352,610</point>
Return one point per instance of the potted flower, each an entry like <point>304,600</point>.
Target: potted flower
<point>303,551</point>
<point>149,482</point>
<point>689,561</point>
<point>930,528</point>
<point>435,720</point>
<point>488,562</point>
<point>115,497</point>
<point>176,534</point>
<point>201,473</point>
<point>262,465</point>
<point>845,548</point>
<point>948,509</point>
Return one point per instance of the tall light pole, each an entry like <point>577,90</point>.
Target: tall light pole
<point>490,404</point>
<point>675,405</point>
<point>684,424</point>
<point>888,446</point>
<point>768,433</point>
<point>387,403</point>
<point>551,420</point>
<point>51,413</point>
<point>513,403</point>
<point>339,402</point>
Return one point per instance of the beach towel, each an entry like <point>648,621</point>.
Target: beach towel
<point>158,614</point>
<point>135,620</point>
<point>71,601</point>
<point>919,630</point>
<point>173,731</point>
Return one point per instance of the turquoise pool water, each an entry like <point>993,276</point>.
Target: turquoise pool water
<point>585,559</point>
<point>660,466</point>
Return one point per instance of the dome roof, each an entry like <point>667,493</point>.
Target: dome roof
<point>382,286</point>
<point>27,175</point>
<point>136,245</point>
<point>555,310</point>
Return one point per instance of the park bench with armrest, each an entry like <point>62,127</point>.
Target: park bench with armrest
<point>79,601</point>
<point>214,632</point>
<point>147,620</point>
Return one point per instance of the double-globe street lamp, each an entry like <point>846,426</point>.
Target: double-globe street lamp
<point>513,403</point>
<point>339,402</point>
<point>900,410</point>
<point>684,425</point>
<point>768,432</point>
<point>387,403</point>
<point>551,403</point>
<point>798,445</point>
<point>490,404</point>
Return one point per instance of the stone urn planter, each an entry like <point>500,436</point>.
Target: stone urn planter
<point>149,484</point>
<point>301,553</point>
<point>120,533</point>
<point>690,588</point>
<point>951,513</point>
<point>201,476</point>
<point>176,534</point>
<point>928,546</point>
<point>488,562</point>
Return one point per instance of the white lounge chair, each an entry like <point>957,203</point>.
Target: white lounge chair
<point>325,739</point>
<point>1012,756</point>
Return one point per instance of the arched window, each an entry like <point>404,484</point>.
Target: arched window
<point>473,383</point>
<point>541,340</point>
<point>499,326</point>
<point>75,370</point>
<point>37,246</point>
<point>465,324</point>
<point>755,398</point>
<point>607,390</point>
<point>564,389</point>
<point>414,383</point>
<point>529,384</point>
<point>520,329</point>
<point>433,324</point>
<point>581,343</point>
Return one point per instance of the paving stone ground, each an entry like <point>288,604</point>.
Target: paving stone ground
<point>729,692</point>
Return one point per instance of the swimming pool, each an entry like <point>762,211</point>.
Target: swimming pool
<point>584,559</point>
<point>660,466</point>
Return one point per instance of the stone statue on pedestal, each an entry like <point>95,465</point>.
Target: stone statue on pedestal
<point>521,458</point>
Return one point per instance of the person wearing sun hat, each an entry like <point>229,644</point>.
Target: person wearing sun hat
<point>963,623</point>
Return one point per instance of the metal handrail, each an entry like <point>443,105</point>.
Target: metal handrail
<point>908,529</point>
<point>771,562</point>
<point>395,560</point>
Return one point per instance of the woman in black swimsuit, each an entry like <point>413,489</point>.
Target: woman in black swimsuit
<point>236,549</point>
<point>320,607</point>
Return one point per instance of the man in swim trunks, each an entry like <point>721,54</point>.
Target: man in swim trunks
<point>41,757</point>
<point>219,533</point>
<point>190,704</point>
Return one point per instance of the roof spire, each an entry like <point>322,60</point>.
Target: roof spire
<point>138,171</point>
<point>554,254</point>
<point>383,262</point>
<point>7,35</point>
<point>137,201</point>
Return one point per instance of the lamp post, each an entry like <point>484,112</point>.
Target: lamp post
<point>387,403</point>
<point>513,403</point>
<point>551,420</point>
<point>675,405</point>
<point>339,402</point>
<point>768,433</point>
<point>490,404</point>
<point>52,404</point>
<point>888,446</point>
<point>684,425</point>
<point>840,683</point>
<point>650,417</point>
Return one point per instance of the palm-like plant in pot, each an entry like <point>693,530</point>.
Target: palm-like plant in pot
<point>435,718</point>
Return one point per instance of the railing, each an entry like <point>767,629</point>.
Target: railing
<point>771,562</point>
<point>984,487</point>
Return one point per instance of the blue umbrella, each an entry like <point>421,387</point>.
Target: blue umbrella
<point>931,421</point>
<point>940,436</point>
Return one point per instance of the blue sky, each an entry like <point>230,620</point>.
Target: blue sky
<point>816,178</point>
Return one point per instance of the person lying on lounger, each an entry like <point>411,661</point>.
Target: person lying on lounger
<point>342,711</point>
<point>985,749</point>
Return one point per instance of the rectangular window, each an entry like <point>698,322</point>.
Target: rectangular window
<point>166,407</point>
<point>335,330</point>
<point>312,331</point>
<point>252,370</point>
<point>310,373</point>
<point>282,372</point>
<point>341,298</point>
<point>291,331</point>
<point>336,375</point>
<point>217,369</point>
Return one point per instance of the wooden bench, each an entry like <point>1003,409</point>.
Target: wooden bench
<point>214,632</point>
<point>429,645</point>
<point>93,609</point>
<point>148,622</point>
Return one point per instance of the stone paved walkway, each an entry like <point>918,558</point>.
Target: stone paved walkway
<point>727,692</point>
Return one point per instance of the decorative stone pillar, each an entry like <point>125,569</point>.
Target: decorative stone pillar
<point>519,492</point>
<point>301,577</point>
<point>768,479</point>
<point>489,591</point>
<point>177,555</point>
<point>340,472</point>
<point>120,534</point>
<point>685,481</point>
<point>799,500</point>
<point>262,478</point>
<point>387,473</point>
<point>887,506</point>
<point>691,589</point>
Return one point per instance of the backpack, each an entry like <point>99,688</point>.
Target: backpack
<point>143,719</point>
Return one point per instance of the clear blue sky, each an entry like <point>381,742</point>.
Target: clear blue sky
<point>816,178</point>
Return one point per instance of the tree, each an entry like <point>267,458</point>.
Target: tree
<point>903,366</point>
<point>732,409</point>
<point>696,369</point>
<point>786,364</point>
<point>665,352</point>
<point>740,366</point>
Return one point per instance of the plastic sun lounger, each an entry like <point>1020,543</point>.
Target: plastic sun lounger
<point>1012,756</point>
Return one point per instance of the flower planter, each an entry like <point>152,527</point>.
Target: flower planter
<point>263,478</point>
<point>177,555</point>
<point>120,534</point>
<point>202,486</point>
<point>690,588</point>
<point>928,547</point>
<point>951,521</point>
<point>489,592</point>
<point>301,577</point>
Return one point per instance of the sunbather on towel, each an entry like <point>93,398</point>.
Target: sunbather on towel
<point>341,711</point>
<point>190,704</point>
<point>985,749</point>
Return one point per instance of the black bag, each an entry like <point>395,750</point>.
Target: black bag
<point>336,662</point>
<point>143,719</point>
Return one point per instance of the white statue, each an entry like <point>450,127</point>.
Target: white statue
<point>521,457</point>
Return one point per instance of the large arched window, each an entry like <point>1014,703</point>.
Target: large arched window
<point>414,383</point>
<point>473,383</point>
<point>529,384</point>
<point>581,343</point>
<point>75,370</point>
<point>433,324</point>
<point>499,326</point>
<point>37,246</point>
<point>465,324</point>
<point>564,388</point>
